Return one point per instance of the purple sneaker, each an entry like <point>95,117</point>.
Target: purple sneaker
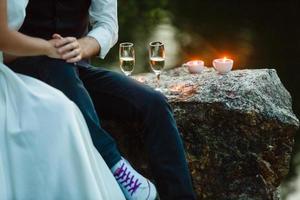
<point>133,184</point>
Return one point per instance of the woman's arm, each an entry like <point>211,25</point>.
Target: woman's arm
<point>15,43</point>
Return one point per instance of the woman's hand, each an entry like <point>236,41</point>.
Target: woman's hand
<point>69,48</point>
<point>52,51</point>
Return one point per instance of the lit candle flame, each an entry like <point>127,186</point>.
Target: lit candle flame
<point>224,59</point>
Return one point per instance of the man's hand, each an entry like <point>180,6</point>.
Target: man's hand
<point>69,48</point>
<point>73,50</point>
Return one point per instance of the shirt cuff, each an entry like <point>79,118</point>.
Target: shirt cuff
<point>104,38</point>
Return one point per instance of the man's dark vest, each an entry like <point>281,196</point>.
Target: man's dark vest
<point>65,17</point>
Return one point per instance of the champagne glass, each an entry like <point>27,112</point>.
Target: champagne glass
<point>157,60</point>
<point>127,58</point>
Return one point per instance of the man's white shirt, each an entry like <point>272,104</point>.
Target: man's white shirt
<point>104,22</point>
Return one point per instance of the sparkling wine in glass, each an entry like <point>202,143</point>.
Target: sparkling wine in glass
<point>127,58</point>
<point>157,59</point>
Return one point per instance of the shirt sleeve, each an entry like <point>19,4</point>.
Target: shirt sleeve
<point>104,22</point>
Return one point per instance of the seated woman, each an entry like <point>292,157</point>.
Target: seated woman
<point>45,148</point>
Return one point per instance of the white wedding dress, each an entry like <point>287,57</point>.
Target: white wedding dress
<point>46,152</point>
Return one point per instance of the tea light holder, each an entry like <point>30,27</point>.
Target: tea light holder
<point>223,65</point>
<point>195,66</point>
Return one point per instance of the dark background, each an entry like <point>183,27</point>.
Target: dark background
<point>256,34</point>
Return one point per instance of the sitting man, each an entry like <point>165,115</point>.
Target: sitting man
<point>115,96</point>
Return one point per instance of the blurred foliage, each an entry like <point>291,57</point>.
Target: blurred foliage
<point>137,15</point>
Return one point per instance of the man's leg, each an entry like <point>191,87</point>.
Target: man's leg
<point>119,97</point>
<point>65,78</point>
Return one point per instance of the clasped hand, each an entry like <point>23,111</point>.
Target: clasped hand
<point>66,48</point>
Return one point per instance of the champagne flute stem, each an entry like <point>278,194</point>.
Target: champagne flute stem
<point>158,81</point>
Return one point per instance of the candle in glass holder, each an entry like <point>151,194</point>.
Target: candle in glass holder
<point>223,65</point>
<point>195,66</point>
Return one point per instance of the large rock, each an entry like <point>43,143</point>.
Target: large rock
<point>238,131</point>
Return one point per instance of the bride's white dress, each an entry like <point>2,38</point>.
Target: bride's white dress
<point>46,152</point>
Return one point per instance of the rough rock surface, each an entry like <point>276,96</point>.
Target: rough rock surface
<point>238,131</point>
